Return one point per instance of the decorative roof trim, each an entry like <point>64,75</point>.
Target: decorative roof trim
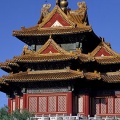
<point>106,47</point>
<point>55,45</point>
<point>5,66</point>
<point>45,75</point>
<point>92,76</point>
<point>50,75</point>
<point>108,60</point>
<point>48,31</point>
<point>50,15</point>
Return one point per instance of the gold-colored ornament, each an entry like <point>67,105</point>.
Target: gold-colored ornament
<point>64,4</point>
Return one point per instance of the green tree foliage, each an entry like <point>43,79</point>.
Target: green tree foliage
<point>4,114</point>
<point>16,115</point>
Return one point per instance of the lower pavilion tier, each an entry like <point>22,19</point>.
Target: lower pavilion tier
<point>67,98</point>
<point>64,92</point>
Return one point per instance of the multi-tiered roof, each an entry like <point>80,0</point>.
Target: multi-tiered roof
<point>51,62</point>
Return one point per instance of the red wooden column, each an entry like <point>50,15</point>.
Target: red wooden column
<point>87,105</point>
<point>69,103</point>
<point>114,105</point>
<point>24,101</point>
<point>18,97</point>
<point>9,105</point>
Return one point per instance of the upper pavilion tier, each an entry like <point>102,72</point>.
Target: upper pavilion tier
<point>59,21</point>
<point>51,52</point>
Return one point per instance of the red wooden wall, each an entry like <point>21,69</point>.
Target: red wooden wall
<point>52,103</point>
<point>106,106</point>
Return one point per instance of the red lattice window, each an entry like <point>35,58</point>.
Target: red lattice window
<point>103,105</point>
<point>47,103</point>
<point>117,105</point>
<point>97,102</point>
<point>80,104</point>
<point>99,106</point>
<point>42,104</point>
<point>110,105</point>
<point>62,103</point>
<point>52,104</point>
<point>32,104</point>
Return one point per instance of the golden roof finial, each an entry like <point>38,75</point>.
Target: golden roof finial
<point>64,4</point>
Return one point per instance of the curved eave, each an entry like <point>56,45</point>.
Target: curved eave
<point>2,84</point>
<point>4,87</point>
<point>105,60</point>
<point>6,68</point>
<point>11,64</point>
<point>44,58</point>
<point>53,31</point>
<point>82,57</point>
<point>108,60</point>
<point>50,75</point>
<point>113,77</point>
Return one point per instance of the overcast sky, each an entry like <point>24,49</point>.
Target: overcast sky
<point>104,17</point>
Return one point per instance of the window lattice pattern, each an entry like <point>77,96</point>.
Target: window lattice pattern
<point>117,105</point>
<point>61,103</point>
<point>52,104</point>
<point>110,105</point>
<point>97,102</point>
<point>32,104</point>
<point>80,104</point>
<point>103,105</point>
<point>42,104</point>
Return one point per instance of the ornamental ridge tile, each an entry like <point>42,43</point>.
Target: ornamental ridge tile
<point>92,76</point>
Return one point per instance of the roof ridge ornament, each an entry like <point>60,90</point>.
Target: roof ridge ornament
<point>64,4</point>
<point>26,50</point>
<point>82,5</point>
<point>45,9</point>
